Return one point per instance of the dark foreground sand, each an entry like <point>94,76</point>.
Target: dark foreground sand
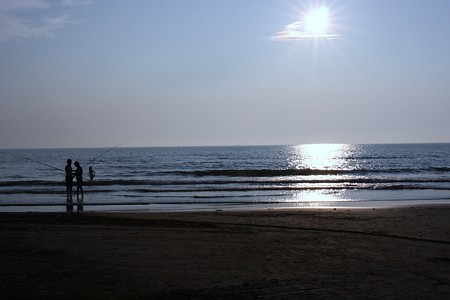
<point>401,253</point>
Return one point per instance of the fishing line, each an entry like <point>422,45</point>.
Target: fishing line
<point>55,168</point>
<point>38,162</point>
<point>92,160</point>
<point>35,161</point>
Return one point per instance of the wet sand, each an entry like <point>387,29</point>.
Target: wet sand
<point>401,253</point>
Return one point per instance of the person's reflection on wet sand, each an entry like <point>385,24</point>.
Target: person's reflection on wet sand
<point>80,205</point>
<point>69,206</point>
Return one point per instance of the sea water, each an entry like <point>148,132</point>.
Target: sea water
<point>239,177</point>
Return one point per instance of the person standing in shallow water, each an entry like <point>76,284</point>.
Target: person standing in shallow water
<point>91,173</point>
<point>79,177</point>
<point>69,180</point>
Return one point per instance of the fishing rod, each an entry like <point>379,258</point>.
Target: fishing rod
<point>35,161</point>
<point>92,160</point>
<point>38,162</point>
<point>55,168</point>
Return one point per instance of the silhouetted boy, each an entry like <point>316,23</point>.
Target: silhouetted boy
<point>91,173</point>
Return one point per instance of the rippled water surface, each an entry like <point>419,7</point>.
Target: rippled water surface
<point>196,178</point>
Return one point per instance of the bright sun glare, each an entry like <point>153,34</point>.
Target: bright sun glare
<point>317,21</point>
<point>314,23</point>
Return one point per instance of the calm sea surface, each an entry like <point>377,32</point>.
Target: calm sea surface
<point>244,177</point>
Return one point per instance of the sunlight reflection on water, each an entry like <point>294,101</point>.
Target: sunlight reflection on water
<point>321,156</point>
<point>319,196</point>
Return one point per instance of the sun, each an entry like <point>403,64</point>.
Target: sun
<point>313,23</point>
<point>316,21</point>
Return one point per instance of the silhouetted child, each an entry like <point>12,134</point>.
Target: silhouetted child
<point>91,173</point>
<point>79,177</point>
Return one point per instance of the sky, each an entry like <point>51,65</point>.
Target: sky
<point>96,73</point>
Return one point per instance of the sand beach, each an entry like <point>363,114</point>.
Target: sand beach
<point>391,253</point>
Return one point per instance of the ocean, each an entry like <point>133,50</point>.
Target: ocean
<point>226,178</point>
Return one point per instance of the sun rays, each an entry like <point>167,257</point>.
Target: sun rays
<point>314,23</point>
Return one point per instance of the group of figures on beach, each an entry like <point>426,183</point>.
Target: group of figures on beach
<point>78,174</point>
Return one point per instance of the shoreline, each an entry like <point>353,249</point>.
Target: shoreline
<point>268,254</point>
<point>149,207</point>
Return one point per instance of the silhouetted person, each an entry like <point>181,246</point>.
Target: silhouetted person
<point>91,173</point>
<point>69,179</point>
<point>79,177</point>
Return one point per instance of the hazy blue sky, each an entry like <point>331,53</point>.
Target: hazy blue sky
<point>81,73</point>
